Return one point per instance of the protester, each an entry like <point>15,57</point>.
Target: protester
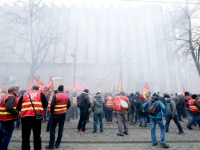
<point>172,114</point>
<point>154,107</point>
<point>97,108</point>
<point>141,112</point>
<point>135,100</point>
<point>30,104</point>
<point>8,115</point>
<point>186,103</point>
<point>179,106</point>
<point>49,110</point>
<point>59,105</point>
<point>131,110</point>
<point>109,108</point>
<point>74,108</point>
<point>194,107</point>
<point>121,113</point>
<point>84,104</point>
<point>89,110</point>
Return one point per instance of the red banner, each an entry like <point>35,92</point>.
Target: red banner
<point>51,85</point>
<point>42,86</point>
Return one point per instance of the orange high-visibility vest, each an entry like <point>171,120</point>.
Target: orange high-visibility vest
<point>109,102</point>
<point>27,108</point>
<point>192,107</point>
<point>49,103</point>
<point>61,103</point>
<point>4,114</point>
<point>75,101</point>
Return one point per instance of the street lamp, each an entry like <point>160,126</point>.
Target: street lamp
<point>74,56</point>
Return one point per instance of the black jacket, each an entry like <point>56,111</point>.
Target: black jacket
<point>85,100</point>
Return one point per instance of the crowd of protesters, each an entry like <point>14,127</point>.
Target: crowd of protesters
<point>33,108</point>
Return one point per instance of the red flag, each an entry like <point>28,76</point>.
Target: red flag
<point>3,88</point>
<point>183,90</point>
<point>51,85</point>
<point>30,86</point>
<point>146,89</point>
<point>138,89</point>
<point>41,85</point>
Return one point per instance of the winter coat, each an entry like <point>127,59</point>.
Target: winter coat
<point>132,106</point>
<point>171,107</point>
<point>179,102</point>
<point>86,101</point>
<point>98,104</point>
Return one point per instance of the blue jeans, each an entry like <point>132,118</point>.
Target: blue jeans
<point>136,115</point>
<point>6,131</point>
<point>141,119</point>
<point>153,123</point>
<point>60,120</point>
<point>188,112</point>
<point>195,118</point>
<point>18,122</point>
<point>82,120</point>
<point>96,118</point>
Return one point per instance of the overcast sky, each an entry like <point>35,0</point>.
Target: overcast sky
<point>97,3</point>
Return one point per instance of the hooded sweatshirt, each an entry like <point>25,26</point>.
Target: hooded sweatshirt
<point>98,104</point>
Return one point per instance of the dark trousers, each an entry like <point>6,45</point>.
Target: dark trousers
<point>96,118</point>
<point>169,118</point>
<point>82,120</point>
<point>60,120</point>
<point>29,123</point>
<point>49,123</point>
<point>180,112</point>
<point>6,131</point>
<point>45,114</point>
<point>109,115</point>
<point>88,115</point>
<point>68,114</point>
<point>18,122</point>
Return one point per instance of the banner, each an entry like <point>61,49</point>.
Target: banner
<point>42,86</point>
<point>146,89</point>
<point>51,85</point>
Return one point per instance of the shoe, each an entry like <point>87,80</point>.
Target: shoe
<point>84,132</point>
<point>125,133</point>
<point>180,132</point>
<point>190,128</point>
<point>57,146</point>
<point>118,134</point>
<point>154,144</point>
<point>164,145</point>
<point>49,147</point>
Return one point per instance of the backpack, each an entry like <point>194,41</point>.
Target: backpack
<point>152,108</point>
<point>141,110</point>
<point>80,102</point>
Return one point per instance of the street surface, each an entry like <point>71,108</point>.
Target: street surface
<point>138,138</point>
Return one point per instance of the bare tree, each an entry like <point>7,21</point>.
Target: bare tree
<point>188,32</point>
<point>32,32</point>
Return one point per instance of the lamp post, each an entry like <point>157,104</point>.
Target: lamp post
<point>74,56</point>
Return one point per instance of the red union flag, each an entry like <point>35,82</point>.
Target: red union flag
<point>30,86</point>
<point>41,85</point>
<point>51,85</point>
<point>2,88</point>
